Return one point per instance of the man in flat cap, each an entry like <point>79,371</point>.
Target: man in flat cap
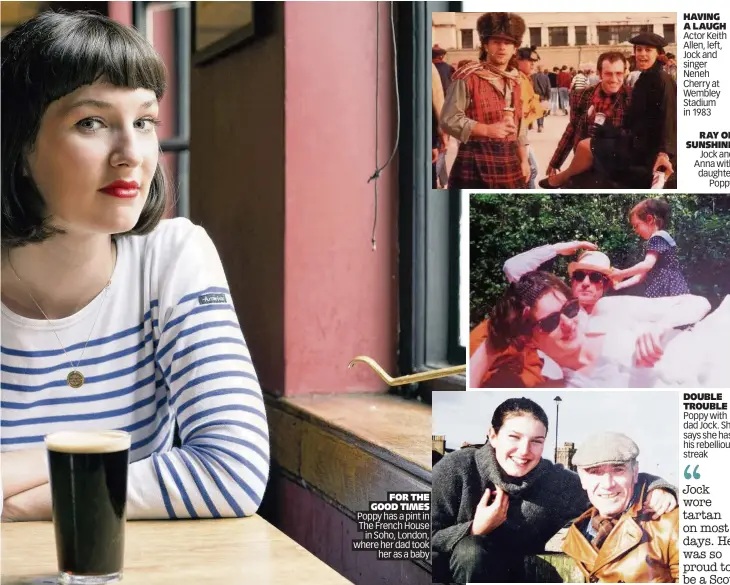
<point>617,540</point>
<point>647,140</point>
<point>483,110</point>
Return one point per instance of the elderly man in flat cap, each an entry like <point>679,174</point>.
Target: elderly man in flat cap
<point>617,540</point>
<point>647,141</point>
<point>483,110</point>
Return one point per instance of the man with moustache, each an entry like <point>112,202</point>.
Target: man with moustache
<point>617,540</point>
<point>647,141</point>
<point>484,111</point>
<point>610,99</point>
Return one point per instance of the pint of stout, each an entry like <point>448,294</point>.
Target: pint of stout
<point>88,475</point>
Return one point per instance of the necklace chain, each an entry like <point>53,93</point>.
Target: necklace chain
<point>75,378</point>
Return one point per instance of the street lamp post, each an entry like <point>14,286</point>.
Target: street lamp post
<point>558,400</point>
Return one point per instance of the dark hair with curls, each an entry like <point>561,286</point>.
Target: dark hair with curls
<point>515,407</point>
<point>510,321</point>
<point>658,209</point>
<point>44,59</point>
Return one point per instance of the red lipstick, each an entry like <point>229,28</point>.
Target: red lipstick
<point>122,189</point>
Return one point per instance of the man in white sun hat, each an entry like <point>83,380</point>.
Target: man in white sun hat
<point>589,279</point>
<point>590,275</point>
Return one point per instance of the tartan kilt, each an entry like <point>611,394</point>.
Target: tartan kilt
<point>487,164</point>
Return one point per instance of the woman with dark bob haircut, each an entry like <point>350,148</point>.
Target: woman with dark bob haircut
<point>494,505</point>
<point>113,318</point>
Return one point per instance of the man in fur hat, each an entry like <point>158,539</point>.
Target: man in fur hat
<point>483,110</point>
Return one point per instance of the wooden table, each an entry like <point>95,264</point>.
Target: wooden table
<point>246,550</point>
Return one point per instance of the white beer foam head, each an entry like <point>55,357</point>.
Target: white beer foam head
<point>88,442</point>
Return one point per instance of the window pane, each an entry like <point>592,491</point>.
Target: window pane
<point>467,38</point>
<point>167,25</point>
<point>558,36</point>
<point>535,36</point>
<point>581,35</point>
<point>617,34</point>
<point>669,34</point>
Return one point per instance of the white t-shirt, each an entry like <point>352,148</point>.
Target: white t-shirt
<point>166,347</point>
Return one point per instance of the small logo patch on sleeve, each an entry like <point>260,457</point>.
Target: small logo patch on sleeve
<point>212,298</point>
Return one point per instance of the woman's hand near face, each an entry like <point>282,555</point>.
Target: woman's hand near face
<point>660,502</point>
<point>489,516</point>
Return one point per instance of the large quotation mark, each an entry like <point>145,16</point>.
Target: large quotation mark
<point>695,473</point>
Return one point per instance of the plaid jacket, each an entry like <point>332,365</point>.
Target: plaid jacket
<point>580,125</point>
<point>486,163</point>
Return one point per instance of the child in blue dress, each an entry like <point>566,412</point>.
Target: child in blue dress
<point>660,268</point>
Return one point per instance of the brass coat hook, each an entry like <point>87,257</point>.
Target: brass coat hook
<point>410,379</point>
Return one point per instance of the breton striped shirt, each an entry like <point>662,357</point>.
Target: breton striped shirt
<point>167,347</point>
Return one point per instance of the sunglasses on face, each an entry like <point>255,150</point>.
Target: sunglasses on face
<point>550,323</point>
<point>594,277</point>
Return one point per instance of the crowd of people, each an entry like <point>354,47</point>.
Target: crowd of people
<point>622,131</point>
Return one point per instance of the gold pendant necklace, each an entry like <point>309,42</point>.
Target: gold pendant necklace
<point>75,378</point>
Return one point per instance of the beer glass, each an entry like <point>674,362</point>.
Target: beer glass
<point>88,476</point>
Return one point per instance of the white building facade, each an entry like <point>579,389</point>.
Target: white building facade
<point>561,38</point>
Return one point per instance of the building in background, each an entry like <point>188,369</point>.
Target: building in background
<point>438,444</point>
<point>561,38</point>
<point>565,456</point>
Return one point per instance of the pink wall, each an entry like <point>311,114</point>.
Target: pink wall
<point>121,12</point>
<point>282,145</point>
<point>340,296</point>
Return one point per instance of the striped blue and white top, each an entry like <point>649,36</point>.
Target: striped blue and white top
<point>166,347</point>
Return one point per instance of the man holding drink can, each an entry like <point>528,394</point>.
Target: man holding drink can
<point>484,111</point>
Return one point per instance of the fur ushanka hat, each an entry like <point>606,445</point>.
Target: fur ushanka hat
<point>504,25</point>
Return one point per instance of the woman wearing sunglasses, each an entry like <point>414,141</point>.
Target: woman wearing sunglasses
<point>626,342</point>
<point>524,366</point>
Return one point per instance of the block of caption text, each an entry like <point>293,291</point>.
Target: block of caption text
<point>398,528</point>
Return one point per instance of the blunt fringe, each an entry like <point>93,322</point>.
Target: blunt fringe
<point>44,59</point>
